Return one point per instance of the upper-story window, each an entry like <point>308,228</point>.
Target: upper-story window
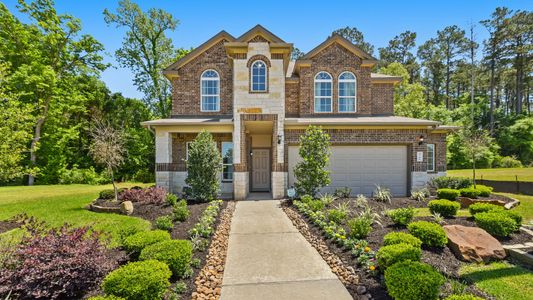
<point>347,92</point>
<point>210,91</point>
<point>323,84</point>
<point>259,76</point>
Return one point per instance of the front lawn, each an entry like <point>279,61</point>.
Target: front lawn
<point>525,209</point>
<point>501,279</point>
<point>500,174</point>
<point>59,204</point>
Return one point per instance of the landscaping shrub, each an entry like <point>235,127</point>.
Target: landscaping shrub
<point>306,199</point>
<point>172,199</point>
<point>508,162</point>
<point>135,243</point>
<point>382,194</point>
<point>513,215</point>
<point>311,172</point>
<point>337,215</point>
<point>463,297</point>
<point>204,164</point>
<point>107,297</point>
<point>82,176</point>
<point>327,199</point>
<point>164,223</point>
<point>316,205</point>
<point>359,227</point>
<point>445,208</point>
<point>483,207</point>
<point>142,280</point>
<point>430,234</point>
<point>496,223</point>
<point>60,263</point>
<point>107,194</point>
<point>420,194</point>
<point>151,195</point>
<point>176,254</point>
<point>180,210</point>
<point>393,238</point>
<point>484,191</point>
<point>391,254</point>
<point>401,216</point>
<point>448,182</point>
<point>448,194</point>
<point>470,192</point>
<point>410,280</point>
<point>343,192</point>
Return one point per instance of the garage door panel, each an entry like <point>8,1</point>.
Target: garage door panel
<point>362,167</point>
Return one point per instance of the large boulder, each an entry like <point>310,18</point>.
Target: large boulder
<point>126,207</point>
<point>473,244</point>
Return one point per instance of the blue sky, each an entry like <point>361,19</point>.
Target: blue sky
<point>304,23</point>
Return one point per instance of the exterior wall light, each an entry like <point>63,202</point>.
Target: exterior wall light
<point>279,139</point>
<point>420,140</point>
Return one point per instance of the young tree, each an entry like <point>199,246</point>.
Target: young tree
<point>146,50</point>
<point>310,172</point>
<point>107,148</point>
<point>204,165</point>
<point>476,143</point>
<point>356,37</point>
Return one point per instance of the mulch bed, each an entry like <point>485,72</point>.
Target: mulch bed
<point>7,226</point>
<point>441,258</point>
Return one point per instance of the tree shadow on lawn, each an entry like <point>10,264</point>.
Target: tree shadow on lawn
<point>491,273</point>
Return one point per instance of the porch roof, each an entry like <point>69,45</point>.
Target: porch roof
<point>371,120</point>
<point>188,121</point>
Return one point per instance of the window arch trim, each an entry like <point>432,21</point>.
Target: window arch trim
<point>258,76</point>
<point>323,103</point>
<point>347,103</point>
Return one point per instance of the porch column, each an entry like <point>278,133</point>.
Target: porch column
<point>163,155</point>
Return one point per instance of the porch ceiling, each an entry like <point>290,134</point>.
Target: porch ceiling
<point>259,127</point>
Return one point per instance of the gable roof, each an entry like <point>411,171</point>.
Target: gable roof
<point>223,35</point>
<point>336,38</point>
<point>261,31</point>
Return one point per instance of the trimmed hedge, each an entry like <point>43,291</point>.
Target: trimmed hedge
<point>142,280</point>
<point>393,238</point>
<point>164,223</point>
<point>484,191</point>
<point>448,194</point>
<point>483,207</point>
<point>410,280</point>
<point>135,243</point>
<point>445,208</point>
<point>401,216</point>
<point>391,254</point>
<point>431,234</point>
<point>470,192</point>
<point>106,297</point>
<point>496,223</point>
<point>463,297</point>
<point>176,254</point>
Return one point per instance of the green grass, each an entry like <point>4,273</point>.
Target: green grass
<point>525,209</point>
<point>501,174</point>
<point>59,204</point>
<point>501,279</point>
<point>424,212</point>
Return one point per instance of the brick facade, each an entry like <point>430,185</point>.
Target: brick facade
<point>179,144</point>
<point>382,99</point>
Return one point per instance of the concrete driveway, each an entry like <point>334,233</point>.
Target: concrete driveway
<point>269,259</point>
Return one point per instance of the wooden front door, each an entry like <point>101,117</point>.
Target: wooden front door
<point>260,170</point>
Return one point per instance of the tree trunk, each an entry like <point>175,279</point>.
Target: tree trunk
<point>491,111</point>
<point>36,137</point>
<point>474,169</point>
<point>114,185</point>
<point>448,83</point>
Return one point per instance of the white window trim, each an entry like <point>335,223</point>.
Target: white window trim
<point>354,81</point>
<point>202,94</point>
<point>252,76</point>
<point>223,164</point>
<point>432,169</point>
<point>322,97</point>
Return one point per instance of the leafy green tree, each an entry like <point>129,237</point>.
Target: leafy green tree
<point>431,57</point>
<point>356,37</point>
<point>310,172</point>
<point>146,50</point>
<point>204,165</point>
<point>517,140</point>
<point>400,50</point>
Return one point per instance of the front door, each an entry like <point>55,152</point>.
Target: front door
<point>260,170</point>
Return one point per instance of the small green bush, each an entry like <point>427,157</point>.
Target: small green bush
<point>484,191</point>
<point>463,297</point>
<point>180,210</point>
<point>448,182</point>
<point>445,208</point>
<point>343,192</point>
<point>142,280</point>
<point>393,238</point>
<point>106,297</point>
<point>172,199</point>
<point>359,227</point>
<point>306,199</point>
<point>483,207</point>
<point>430,234</point>
<point>164,223</point>
<point>401,216</point>
<point>176,254</point>
<point>135,243</point>
<point>382,194</point>
<point>391,254</point>
<point>507,162</point>
<point>470,192</point>
<point>336,215</point>
<point>316,205</point>
<point>107,194</point>
<point>410,280</point>
<point>513,215</point>
<point>496,223</point>
<point>448,194</point>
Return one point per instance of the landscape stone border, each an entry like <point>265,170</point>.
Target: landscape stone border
<point>125,208</point>
<point>343,270</point>
<point>520,251</point>
<point>209,280</point>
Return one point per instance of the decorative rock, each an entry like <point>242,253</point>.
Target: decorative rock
<point>473,244</point>
<point>126,207</point>
<point>466,202</point>
<point>361,289</point>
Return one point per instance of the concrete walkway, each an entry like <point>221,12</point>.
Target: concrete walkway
<point>269,259</point>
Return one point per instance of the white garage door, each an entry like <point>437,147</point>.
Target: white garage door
<point>362,167</point>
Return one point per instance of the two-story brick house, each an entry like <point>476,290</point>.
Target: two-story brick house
<point>256,102</point>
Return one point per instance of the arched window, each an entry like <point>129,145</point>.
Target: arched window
<point>347,92</point>
<point>323,83</point>
<point>259,76</point>
<point>210,91</point>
